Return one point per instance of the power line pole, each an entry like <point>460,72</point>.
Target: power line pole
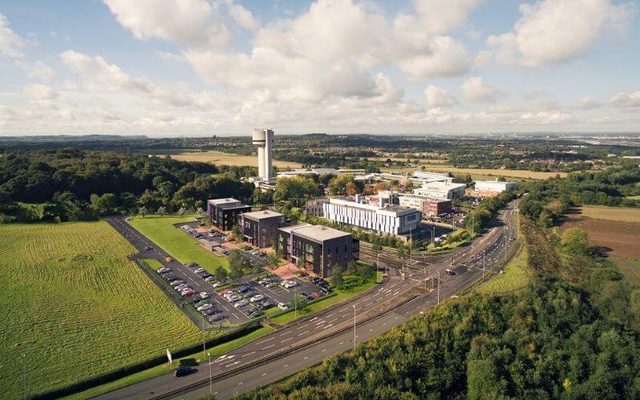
<point>210,389</point>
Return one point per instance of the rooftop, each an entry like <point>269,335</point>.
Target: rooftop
<point>290,228</point>
<point>264,214</point>
<point>320,233</point>
<point>218,202</point>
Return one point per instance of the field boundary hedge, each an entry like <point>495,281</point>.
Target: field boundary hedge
<point>146,364</point>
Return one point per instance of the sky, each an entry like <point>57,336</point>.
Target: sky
<point>224,67</point>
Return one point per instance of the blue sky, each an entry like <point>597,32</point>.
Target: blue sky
<point>202,67</point>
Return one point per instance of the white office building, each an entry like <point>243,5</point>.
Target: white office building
<point>493,188</point>
<point>441,190</point>
<point>394,220</point>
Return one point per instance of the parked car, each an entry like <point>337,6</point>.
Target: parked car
<point>176,282</point>
<point>188,292</point>
<point>200,303</point>
<point>216,317</point>
<point>184,371</point>
<point>240,303</point>
<point>449,272</point>
<point>217,284</point>
<point>204,307</point>
<point>288,284</point>
<point>198,270</point>
<point>163,270</point>
<point>209,311</point>
<point>203,295</point>
<point>248,294</point>
<point>209,278</point>
<point>257,297</point>
<point>283,306</point>
<point>255,313</point>
<point>271,285</point>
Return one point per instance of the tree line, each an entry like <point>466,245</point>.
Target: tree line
<point>69,184</point>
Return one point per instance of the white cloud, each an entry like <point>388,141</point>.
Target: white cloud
<point>626,100</point>
<point>441,16</point>
<point>447,57</point>
<point>475,90</point>
<point>10,42</point>
<point>482,59</point>
<point>437,97</point>
<point>588,103</point>
<point>41,72</point>
<point>193,23</point>
<point>555,31</point>
<point>40,92</point>
<point>243,17</point>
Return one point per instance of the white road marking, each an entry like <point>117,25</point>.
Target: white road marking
<point>248,354</point>
<point>268,347</point>
<point>287,339</point>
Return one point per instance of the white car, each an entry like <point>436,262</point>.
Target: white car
<point>283,306</point>
<point>204,307</point>
<point>181,286</point>
<point>203,295</point>
<point>288,284</point>
<point>217,284</point>
<point>240,303</point>
<point>257,297</point>
<point>163,270</point>
<point>198,270</point>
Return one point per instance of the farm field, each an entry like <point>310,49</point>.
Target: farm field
<point>621,214</point>
<point>221,158</point>
<point>514,277</point>
<point>482,173</point>
<point>618,236</point>
<point>72,302</point>
<point>176,242</point>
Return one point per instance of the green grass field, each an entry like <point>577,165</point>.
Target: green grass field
<point>622,214</point>
<point>514,277</point>
<point>176,242</point>
<point>164,368</point>
<point>75,307</point>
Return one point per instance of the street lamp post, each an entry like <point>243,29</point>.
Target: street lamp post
<point>210,389</point>
<point>438,287</point>
<point>354,326</point>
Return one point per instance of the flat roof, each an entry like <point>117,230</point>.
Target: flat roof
<point>290,228</point>
<point>320,233</point>
<point>223,201</point>
<point>264,214</point>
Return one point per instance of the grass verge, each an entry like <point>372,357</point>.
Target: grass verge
<point>515,276</point>
<point>174,241</point>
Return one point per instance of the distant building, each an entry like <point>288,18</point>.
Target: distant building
<point>264,140</point>
<point>493,188</point>
<point>314,207</point>
<point>223,213</point>
<point>428,206</point>
<point>317,247</point>
<point>395,220</point>
<point>441,190</point>
<point>259,227</point>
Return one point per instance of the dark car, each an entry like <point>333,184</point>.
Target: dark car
<point>216,317</point>
<point>210,311</point>
<point>449,272</point>
<point>184,371</point>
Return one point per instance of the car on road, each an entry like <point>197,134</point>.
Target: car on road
<point>203,295</point>
<point>449,272</point>
<point>184,371</point>
<point>176,283</point>
<point>257,297</point>
<point>204,307</point>
<point>240,303</point>
<point>283,306</point>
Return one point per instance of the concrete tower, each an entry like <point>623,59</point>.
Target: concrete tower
<point>264,139</point>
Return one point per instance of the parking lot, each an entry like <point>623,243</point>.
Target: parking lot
<point>239,300</point>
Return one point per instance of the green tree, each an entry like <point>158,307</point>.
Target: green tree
<point>220,273</point>
<point>299,302</point>
<point>143,211</point>
<point>336,275</point>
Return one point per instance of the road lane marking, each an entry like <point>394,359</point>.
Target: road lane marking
<point>248,354</point>
<point>287,339</point>
<point>268,347</point>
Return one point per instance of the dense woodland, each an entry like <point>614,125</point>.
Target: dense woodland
<point>62,185</point>
<point>572,333</point>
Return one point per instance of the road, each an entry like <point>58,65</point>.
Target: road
<point>308,341</point>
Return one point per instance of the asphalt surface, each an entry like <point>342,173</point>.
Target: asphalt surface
<point>308,341</point>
